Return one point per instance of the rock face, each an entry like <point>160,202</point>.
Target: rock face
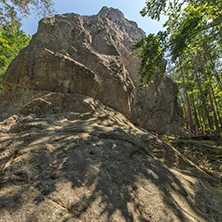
<point>90,55</point>
<point>69,158</point>
<point>68,148</point>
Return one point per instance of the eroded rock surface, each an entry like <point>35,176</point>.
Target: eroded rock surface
<point>69,149</point>
<point>69,158</point>
<point>90,55</point>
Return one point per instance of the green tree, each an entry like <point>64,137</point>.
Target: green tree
<point>10,10</point>
<point>151,55</point>
<point>193,40</point>
<point>12,40</point>
<point>187,21</point>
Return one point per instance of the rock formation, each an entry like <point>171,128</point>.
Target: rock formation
<point>90,55</point>
<point>70,158</point>
<point>68,150</point>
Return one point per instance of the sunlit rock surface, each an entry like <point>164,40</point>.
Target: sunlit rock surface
<point>74,144</point>
<point>70,158</point>
<point>90,55</point>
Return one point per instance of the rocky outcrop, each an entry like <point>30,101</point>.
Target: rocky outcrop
<point>68,148</point>
<point>90,55</point>
<point>68,157</point>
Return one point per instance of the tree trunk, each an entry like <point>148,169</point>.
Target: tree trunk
<point>186,119</point>
<point>195,112</point>
<point>204,122</point>
<point>197,124</point>
<point>202,96</point>
<point>215,101</point>
<point>187,99</point>
<point>209,92</point>
<point>202,125</point>
<point>213,68</point>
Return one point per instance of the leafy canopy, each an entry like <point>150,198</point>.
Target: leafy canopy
<point>151,55</point>
<point>12,40</point>
<point>10,10</point>
<point>188,21</point>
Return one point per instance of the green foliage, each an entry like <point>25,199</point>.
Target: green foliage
<point>12,40</point>
<point>11,9</point>
<point>193,40</point>
<point>154,8</point>
<point>209,84</point>
<point>151,55</point>
<point>194,22</point>
<point>188,21</point>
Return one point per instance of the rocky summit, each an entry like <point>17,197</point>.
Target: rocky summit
<point>90,55</point>
<point>74,140</point>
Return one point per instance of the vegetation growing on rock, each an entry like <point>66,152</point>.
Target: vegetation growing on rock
<point>193,44</point>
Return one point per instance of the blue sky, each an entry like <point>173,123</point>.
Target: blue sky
<point>130,8</point>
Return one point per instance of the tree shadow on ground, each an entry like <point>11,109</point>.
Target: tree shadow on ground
<point>94,173</point>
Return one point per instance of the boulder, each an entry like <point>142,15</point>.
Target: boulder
<point>90,55</point>
<point>68,157</point>
<point>74,144</point>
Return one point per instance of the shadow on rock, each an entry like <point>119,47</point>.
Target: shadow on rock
<point>96,167</point>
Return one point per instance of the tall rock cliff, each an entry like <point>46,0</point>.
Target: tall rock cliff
<point>90,55</point>
<point>68,150</point>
